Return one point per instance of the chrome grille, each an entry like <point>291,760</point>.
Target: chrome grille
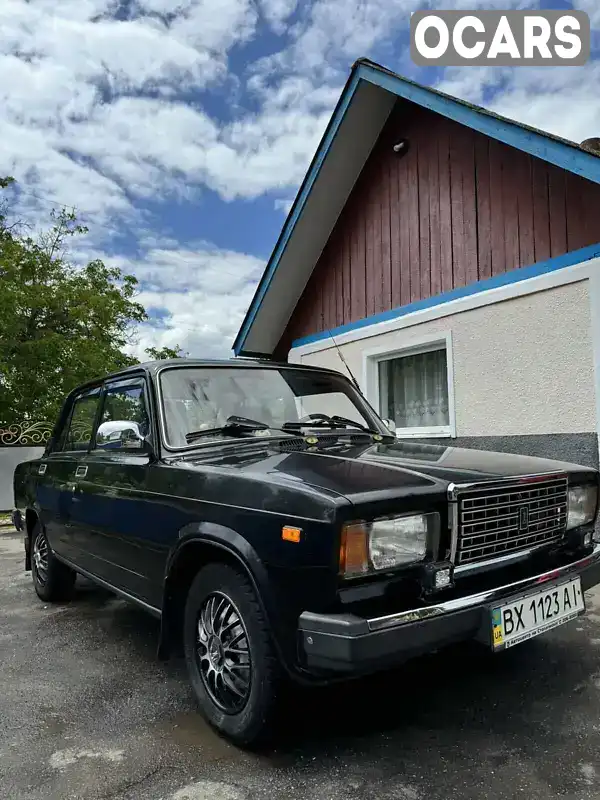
<point>499,520</point>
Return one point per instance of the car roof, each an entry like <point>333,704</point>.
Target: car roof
<point>151,368</point>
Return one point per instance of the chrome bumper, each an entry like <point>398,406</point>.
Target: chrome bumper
<point>490,596</point>
<point>348,644</point>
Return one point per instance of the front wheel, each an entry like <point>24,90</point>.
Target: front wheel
<point>53,581</point>
<point>232,666</point>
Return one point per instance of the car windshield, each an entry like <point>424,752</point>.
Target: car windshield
<point>201,398</point>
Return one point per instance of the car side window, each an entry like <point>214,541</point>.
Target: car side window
<point>77,434</point>
<point>124,420</point>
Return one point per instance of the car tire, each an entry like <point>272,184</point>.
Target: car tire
<point>53,581</point>
<point>240,658</point>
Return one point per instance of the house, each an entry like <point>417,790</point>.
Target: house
<point>452,257</point>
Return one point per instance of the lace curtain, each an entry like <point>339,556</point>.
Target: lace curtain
<point>413,390</point>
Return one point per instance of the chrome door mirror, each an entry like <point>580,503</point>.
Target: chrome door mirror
<point>120,434</point>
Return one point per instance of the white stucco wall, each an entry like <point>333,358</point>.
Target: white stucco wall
<point>521,366</point>
<point>9,458</point>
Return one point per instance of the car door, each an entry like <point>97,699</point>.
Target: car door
<point>58,480</point>
<point>113,511</point>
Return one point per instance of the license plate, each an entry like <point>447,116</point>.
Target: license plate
<point>522,619</point>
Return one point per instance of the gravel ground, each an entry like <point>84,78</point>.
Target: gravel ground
<point>87,712</point>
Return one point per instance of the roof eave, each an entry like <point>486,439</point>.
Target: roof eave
<point>345,96</point>
<point>563,153</point>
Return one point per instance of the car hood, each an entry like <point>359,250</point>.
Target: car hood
<point>364,472</point>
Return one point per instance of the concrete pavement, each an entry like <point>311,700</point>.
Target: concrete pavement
<point>87,712</point>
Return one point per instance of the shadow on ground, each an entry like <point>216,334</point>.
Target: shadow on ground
<point>464,688</point>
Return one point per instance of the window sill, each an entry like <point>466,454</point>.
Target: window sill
<point>424,433</point>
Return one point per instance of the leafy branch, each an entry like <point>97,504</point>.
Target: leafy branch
<point>60,325</point>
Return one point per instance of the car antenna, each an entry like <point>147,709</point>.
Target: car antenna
<point>344,362</point>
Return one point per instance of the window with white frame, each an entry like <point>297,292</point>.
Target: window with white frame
<point>414,389</point>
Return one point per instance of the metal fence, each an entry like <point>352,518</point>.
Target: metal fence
<point>18,443</point>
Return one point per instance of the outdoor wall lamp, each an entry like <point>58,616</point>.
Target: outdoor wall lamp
<point>401,147</point>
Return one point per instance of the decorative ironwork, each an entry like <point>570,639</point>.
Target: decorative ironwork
<point>32,434</point>
<point>25,433</point>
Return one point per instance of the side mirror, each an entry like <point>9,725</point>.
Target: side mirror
<point>121,434</point>
<point>390,425</point>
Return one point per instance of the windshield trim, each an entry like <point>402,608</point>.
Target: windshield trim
<point>361,402</point>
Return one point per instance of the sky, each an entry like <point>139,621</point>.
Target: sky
<point>180,130</point>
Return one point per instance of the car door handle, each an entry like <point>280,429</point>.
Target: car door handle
<point>81,472</point>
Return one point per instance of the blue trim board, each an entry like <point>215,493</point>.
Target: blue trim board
<point>537,144</point>
<point>290,223</point>
<point>505,279</point>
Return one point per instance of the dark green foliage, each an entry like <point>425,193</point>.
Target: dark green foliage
<point>60,325</point>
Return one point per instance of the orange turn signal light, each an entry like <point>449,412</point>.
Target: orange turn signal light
<point>354,549</point>
<point>290,534</point>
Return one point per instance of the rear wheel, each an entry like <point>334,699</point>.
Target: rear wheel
<point>232,666</point>
<point>53,581</point>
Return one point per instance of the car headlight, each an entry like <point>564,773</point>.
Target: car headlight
<point>385,543</point>
<point>582,504</point>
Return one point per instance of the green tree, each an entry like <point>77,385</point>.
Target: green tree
<point>158,353</point>
<point>60,325</point>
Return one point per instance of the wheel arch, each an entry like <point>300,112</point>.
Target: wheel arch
<point>200,544</point>
<point>31,519</point>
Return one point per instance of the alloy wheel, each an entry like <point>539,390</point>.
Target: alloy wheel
<point>40,556</point>
<point>223,653</point>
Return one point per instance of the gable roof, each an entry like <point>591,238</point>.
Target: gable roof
<point>358,118</point>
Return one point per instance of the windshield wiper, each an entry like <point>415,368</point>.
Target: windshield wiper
<point>237,426</point>
<point>353,424</point>
<point>325,421</point>
<point>234,426</point>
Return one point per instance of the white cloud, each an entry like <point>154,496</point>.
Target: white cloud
<point>96,113</point>
<point>528,96</point>
<point>128,55</point>
<point>196,296</point>
<point>215,24</point>
<point>276,12</point>
<point>147,145</point>
<point>334,33</point>
<point>284,205</point>
<point>56,68</point>
<point>69,9</point>
<point>48,177</point>
<point>592,8</point>
<point>201,295</point>
<point>165,7</point>
<point>35,94</point>
<point>157,145</point>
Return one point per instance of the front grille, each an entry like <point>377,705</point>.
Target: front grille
<point>495,522</point>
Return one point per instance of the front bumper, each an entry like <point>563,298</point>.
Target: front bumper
<point>348,644</point>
